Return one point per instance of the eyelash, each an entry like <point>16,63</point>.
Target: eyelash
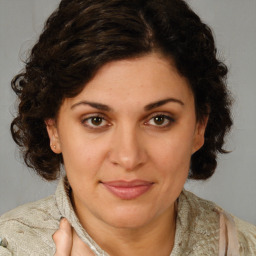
<point>167,118</point>
<point>86,119</point>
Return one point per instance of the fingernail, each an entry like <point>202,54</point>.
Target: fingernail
<point>3,242</point>
<point>63,221</point>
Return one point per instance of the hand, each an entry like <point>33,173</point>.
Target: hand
<point>68,243</point>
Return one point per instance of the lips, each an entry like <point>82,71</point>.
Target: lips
<point>128,190</point>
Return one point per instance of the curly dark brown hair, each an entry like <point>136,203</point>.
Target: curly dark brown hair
<point>83,35</point>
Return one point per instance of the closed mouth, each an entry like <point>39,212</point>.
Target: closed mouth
<point>128,190</point>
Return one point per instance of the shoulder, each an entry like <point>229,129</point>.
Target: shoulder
<point>197,226</point>
<point>29,228</point>
<point>246,236</point>
<point>195,202</point>
<point>201,211</point>
<point>32,214</point>
<point>205,216</point>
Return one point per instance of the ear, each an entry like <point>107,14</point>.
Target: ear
<point>199,134</point>
<point>53,135</point>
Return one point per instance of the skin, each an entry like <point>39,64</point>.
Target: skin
<point>129,138</point>
<point>68,243</point>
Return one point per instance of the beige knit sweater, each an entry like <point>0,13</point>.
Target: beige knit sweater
<point>28,229</point>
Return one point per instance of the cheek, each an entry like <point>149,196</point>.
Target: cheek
<point>82,161</point>
<point>171,161</point>
<point>173,150</point>
<point>171,157</point>
<point>81,154</point>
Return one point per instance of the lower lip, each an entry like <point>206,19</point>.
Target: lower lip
<point>128,193</point>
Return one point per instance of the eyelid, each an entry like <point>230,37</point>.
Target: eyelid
<point>160,113</point>
<point>167,115</point>
<point>170,117</point>
<point>92,115</point>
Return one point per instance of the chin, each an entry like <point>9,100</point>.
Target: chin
<point>128,218</point>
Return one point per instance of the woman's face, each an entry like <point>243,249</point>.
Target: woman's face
<point>127,140</point>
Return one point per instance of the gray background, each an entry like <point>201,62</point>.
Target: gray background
<point>234,23</point>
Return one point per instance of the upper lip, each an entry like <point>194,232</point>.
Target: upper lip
<point>124,183</point>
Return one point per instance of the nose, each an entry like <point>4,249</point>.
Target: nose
<point>127,148</point>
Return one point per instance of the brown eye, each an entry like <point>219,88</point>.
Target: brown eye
<point>96,121</point>
<point>159,120</point>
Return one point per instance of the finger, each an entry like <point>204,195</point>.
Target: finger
<point>63,239</point>
<point>79,248</point>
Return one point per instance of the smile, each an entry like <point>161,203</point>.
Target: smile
<point>128,190</point>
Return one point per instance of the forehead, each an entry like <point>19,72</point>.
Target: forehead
<point>144,79</point>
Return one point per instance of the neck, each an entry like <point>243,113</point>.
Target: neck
<point>154,238</point>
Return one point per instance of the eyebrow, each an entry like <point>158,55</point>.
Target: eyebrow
<point>148,107</point>
<point>161,103</point>
<point>96,105</point>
